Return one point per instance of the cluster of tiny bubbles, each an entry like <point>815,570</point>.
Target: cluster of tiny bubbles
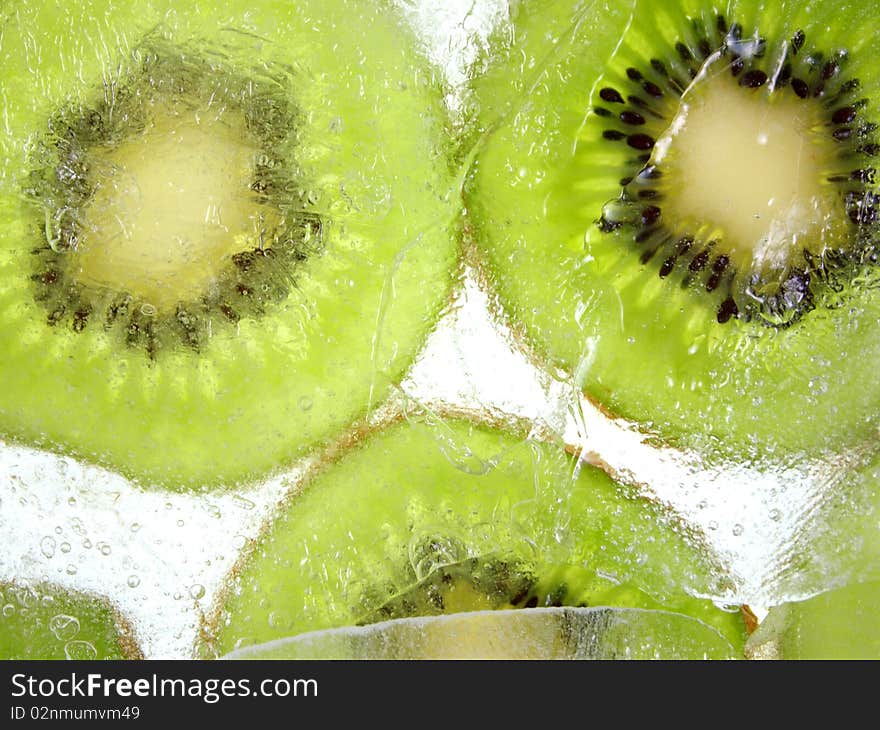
<point>47,546</point>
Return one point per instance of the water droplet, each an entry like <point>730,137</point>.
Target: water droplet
<point>775,515</point>
<point>713,525</point>
<point>177,595</point>
<point>148,310</point>
<point>133,581</point>
<point>135,526</point>
<point>58,530</point>
<point>80,650</point>
<point>87,544</point>
<point>738,530</point>
<point>8,610</point>
<point>305,403</point>
<point>65,547</point>
<point>104,548</point>
<point>197,591</point>
<point>64,627</point>
<point>71,501</point>
<point>71,569</point>
<point>47,546</point>
<point>180,523</point>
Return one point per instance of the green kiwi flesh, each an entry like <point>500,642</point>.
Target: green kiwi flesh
<point>539,633</point>
<point>588,232</point>
<point>429,517</point>
<point>46,622</point>
<point>313,133</point>
<point>842,623</point>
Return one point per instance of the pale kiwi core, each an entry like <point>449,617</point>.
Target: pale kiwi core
<point>170,207</point>
<point>755,165</point>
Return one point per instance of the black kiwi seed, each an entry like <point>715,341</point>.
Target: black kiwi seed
<point>58,186</point>
<point>611,95</point>
<point>706,265</point>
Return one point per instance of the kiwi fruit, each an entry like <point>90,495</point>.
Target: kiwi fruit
<point>841,623</point>
<point>675,203</point>
<point>42,621</point>
<point>434,516</point>
<point>539,633</point>
<point>224,232</point>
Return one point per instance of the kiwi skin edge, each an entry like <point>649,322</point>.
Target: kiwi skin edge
<point>644,349</point>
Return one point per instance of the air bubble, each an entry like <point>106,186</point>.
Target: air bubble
<point>148,310</point>
<point>47,546</point>
<point>87,544</point>
<point>135,526</point>
<point>104,548</point>
<point>133,581</point>
<point>180,523</point>
<point>775,514</point>
<point>77,526</point>
<point>80,650</point>
<point>427,553</point>
<point>197,591</point>
<point>71,569</point>
<point>8,610</point>
<point>65,547</point>
<point>738,530</point>
<point>64,627</point>
<point>305,403</point>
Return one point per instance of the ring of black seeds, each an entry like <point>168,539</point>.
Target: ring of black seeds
<point>499,582</point>
<point>252,280</point>
<point>641,104</point>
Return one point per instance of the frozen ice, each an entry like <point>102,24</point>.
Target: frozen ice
<point>180,547</point>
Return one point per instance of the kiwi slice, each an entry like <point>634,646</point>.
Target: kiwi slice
<point>42,621</point>
<point>429,517</point>
<point>677,206</point>
<point>839,624</point>
<point>223,232</point>
<point>540,633</point>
